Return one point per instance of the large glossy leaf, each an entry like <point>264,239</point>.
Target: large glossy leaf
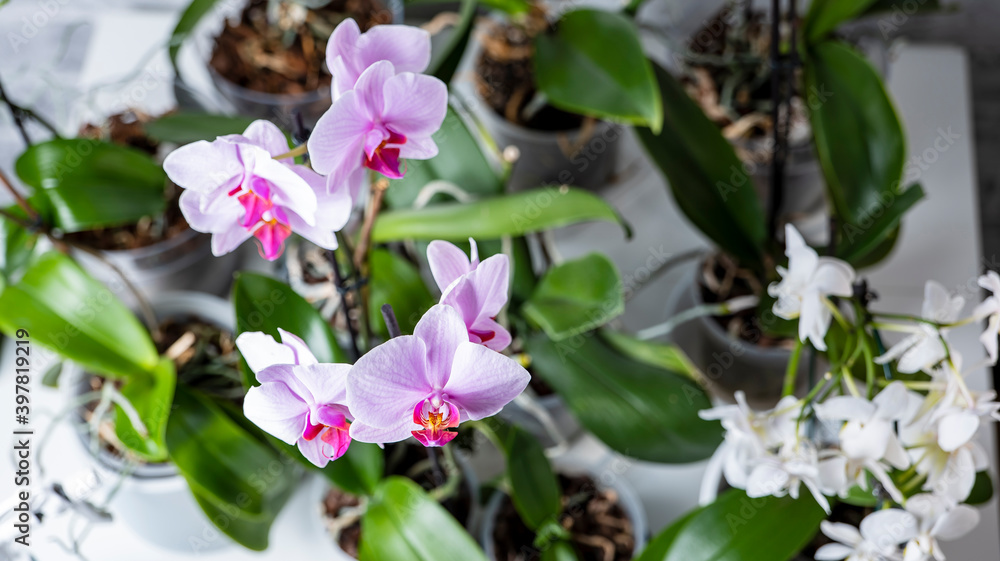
<point>461,161</point>
<point>576,296</point>
<point>265,304</point>
<point>228,467</point>
<point>151,394</point>
<point>559,551</point>
<point>514,215</point>
<point>445,61</point>
<point>637,409</point>
<point>534,487</point>
<point>859,138</point>
<point>859,241</point>
<point>80,184</point>
<point>359,470</point>
<point>66,310</point>
<point>578,72</point>
<point>187,127</point>
<point>825,15</point>
<point>705,175</point>
<point>738,528</point>
<point>661,355</point>
<point>396,281</point>
<point>404,524</point>
<point>16,244</point>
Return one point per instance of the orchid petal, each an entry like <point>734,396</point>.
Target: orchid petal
<point>225,241</point>
<point>204,166</point>
<point>845,408</point>
<point>442,331</point>
<point>407,47</point>
<point>833,552</point>
<point>326,382</point>
<point>956,523</point>
<point>843,533</point>
<point>388,381</point>
<point>367,433</point>
<point>260,350</point>
<point>447,263</point>
<point>893,524</point>
<point>276,409</point>
<point>483,381</point>
<point>415,104</point>
<point>956,429</point>
<point>303,356</point>
<point>268,136</point>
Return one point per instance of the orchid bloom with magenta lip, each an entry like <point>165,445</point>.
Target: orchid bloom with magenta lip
<point>350,52</point>
<point>425,384</point>
<point>235,189</point>
<point>477,290</point>
<point>299,401</point>
<point>805,286</point>
<point>385,118</point>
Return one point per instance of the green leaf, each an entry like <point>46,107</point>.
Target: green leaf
<point>577,71</point>
<point>660,355</point>
<point>982,490</point>
<point>187,127</point>
<point>265,304</point>
<point>576,296</point>
<point>396,281</point>
<point>80,184</point>
<point>445,61</point>
<point>51,377</point>
<point>637,409</point>
<point>534,487</point>
<point>67,311</point>
<point>16,244</point>
<point>227,468</point>
<point>514,215</point>
<point>859,138</point>
<point>185,25</point>
<point>859,497</point>
<point>879,7</point>
<point>857,241</point>
<point>825,15</point>
<point>512,7</point>
<point>705,175</point>
<point>560,551</point>
<point>151,394</point>
<point>359,470</point>
<point>738,528</point>
<point>460,161</point>
<point>403,523</point>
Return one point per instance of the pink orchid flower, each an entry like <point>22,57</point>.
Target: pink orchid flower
<point>235,189</point>
<point>477,290</point>
<point>385,118</point>
<point>349,52</point>
<point>425,384</point>
<point>298,401</point>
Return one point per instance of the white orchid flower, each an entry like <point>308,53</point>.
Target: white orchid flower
<point>805,286</point>
<point>923,348</point>
<point>750,435</point>
<point>838,473</point>
<point>990,308</point>
<point>868,432</point>
<point>879,537</point>
<point>959,414</point>
<point>795,465</point>
<point>938,519</point>
<point>950,473</point>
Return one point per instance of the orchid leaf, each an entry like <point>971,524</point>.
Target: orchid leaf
<point>151,395</point>
<point>81,184</point>
<point>396,281</point>
<point>66,310</point>
<point>560,550</point>
<point>576,296</point>
<point>637,409</point>
<point>445,61</point>
<point>16,243</point>
<point>577,71</point>
<point>265,304</point>
<point>359,470</point>
<point>535,489</point>
<point>858,242</point>
<point>508,215</point>
<point>403,523</point>
<point>706,177</point>
<point>826,15</point>
<point>731,528</point>
<point>185,25</point>
<point>187,127</point>
<point>859,138</point>
<point>982,489</point>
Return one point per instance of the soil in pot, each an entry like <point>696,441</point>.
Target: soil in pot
<point>721,280</point>
<point>401,458</point>
<point>600,528</point>
<point>127,129</point>
<point>505,76</point>
<point>284,52</point>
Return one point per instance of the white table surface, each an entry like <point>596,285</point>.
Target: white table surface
<point>930,85</point>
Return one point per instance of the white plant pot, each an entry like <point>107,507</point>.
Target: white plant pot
<point>154,500</point>
<point>184,262</point>
<point>730,363</point>
<point>630,503</point>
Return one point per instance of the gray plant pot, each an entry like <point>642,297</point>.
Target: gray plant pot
<point>546,417</point>
<point>154,501</point>
<point>182,263</point>
<point>605,479</point>
<point>730,363</point>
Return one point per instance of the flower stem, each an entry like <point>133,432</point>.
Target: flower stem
<point>374,207</point>
<point>792,371</point>
<point>338,279</point>
<point>391,324</point>
<point>299,150</point>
